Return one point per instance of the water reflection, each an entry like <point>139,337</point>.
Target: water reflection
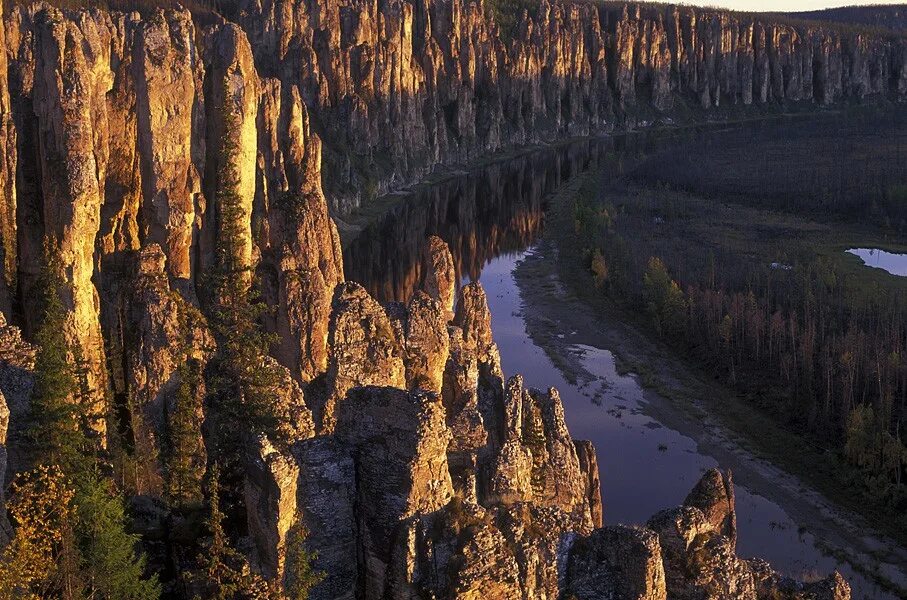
<point>480,215</point>
<point>896,264</point>
<point>489,218</point>
<point>645,465</point>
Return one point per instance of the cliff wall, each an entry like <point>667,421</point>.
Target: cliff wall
<point>400,87</point>
<point>409,446</point>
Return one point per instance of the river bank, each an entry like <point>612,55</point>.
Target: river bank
<point>767,460</point>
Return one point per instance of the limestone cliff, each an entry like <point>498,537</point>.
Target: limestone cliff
<point>417,467</point>
<point>402,86</point>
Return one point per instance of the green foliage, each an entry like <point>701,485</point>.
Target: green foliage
<point>97,557</point>
<point>55,429</point>
<point>112,569</point>
<point>664,299</point>
<point>184,457</point>
<point>881,455</point>
<point>224,573</point>
<point>301,576</point>
<point>507,14</point>
<point>753,274</point>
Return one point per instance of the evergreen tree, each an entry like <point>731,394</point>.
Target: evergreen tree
<point>301,576</point>
<point>224,573</point>
<point>183,460</point>
<point>243,382</point>
<point>55,431</point>
<point>97,556</point>
<point>664,299</point>
<point>114,571</point>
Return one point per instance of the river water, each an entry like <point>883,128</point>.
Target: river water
<point>491,217</point>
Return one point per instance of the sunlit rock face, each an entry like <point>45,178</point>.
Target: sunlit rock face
<point>364,350</point>
<point>8,167</point>
<point>162,333</point>
<point>440,274</point>
<point>417,468</point>
<point>169,106</point>
<point>402,86</point>
<point>117,125</point>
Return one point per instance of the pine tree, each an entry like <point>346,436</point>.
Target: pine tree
<point>96,556</point>
<point>184,468</point>
<point>224,573</point>
<point>243,383</point>
<point>109,559</point>
<point>300,576</point>
<point>54,432</point>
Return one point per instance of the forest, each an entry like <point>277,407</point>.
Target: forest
<point>731,247</point>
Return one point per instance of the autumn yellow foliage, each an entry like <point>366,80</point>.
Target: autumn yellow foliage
<point>41,507</point>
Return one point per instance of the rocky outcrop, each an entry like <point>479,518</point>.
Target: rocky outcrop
<point>538,461</point>
<point>617,562</point>
<point>683,552</point>
<point>588,464</point>
<point>169,108</point>
<point>166,342</point>
<point>457,552</point>
<point>403,86</point>
<point>440,274</point>
<point>301,258</point>
<point>232,111</point>
<point>118,125</point>
<point>698,546</point>
<point>72,78</point>
<point>364,350</point>
<point>427,343</point>
<point>8,168</point>
<point>17,363</point>
<point>714,496</point>
<point>136,144</point>
<point>399,442</point>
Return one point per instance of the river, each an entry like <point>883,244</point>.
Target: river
<point>492,217</point>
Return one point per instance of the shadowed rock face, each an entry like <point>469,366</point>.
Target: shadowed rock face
<point>417,468</point>
<point>617,562</point>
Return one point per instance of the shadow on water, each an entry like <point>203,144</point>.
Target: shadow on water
<point>482,214</point>
<point>490,218</point>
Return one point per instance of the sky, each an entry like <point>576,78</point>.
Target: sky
<point>787,5</point>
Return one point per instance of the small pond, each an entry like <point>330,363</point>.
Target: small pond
<point>896,264</point>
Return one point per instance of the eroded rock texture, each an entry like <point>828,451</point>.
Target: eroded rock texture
<point>402,86</point>
<point>416,467</point>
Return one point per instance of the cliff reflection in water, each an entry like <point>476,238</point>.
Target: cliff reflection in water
<point>481,215</point>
